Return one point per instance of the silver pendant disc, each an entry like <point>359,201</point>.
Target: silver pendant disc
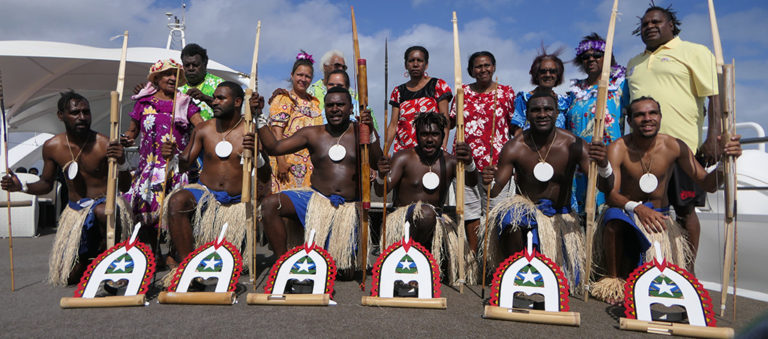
<point>543,171</point>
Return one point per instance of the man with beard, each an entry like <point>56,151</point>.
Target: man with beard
<point>420,177</point>
<point>326,206</point>
<point>644,161</point>
<point>543,159</point>
<point>82,154</point>
<point>681,75</point>
<point>196,213</point>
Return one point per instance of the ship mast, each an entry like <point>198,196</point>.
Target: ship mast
<point>176,27</point>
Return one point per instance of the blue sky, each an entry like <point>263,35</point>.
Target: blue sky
<point>512,29</point>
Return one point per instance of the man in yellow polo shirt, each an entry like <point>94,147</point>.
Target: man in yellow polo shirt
<point>681,75</point>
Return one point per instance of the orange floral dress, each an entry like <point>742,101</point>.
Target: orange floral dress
<point>293,113</point>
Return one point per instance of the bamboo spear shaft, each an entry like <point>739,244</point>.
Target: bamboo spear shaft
<point>725,83</point>
<point>114,135</point>
<point>363,140</point>
<point>488,188</point>
<point>248,156</point>
<point>161,198</point>
<point>7,170</point>
<point>730,72</point>
<point>109,206</point>
<point>459,138</point>
<point>386,146</point>
<point>121,68</point>
<point>597,135</point>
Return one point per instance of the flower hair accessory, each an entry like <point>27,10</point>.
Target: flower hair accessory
<point>584,46</point>
<point>305,55</point>
<point>162,65</point>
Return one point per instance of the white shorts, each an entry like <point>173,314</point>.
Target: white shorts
<point>474,199</point>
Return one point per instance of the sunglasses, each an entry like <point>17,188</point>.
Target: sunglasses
<point>587,56</point>
<point>544,71</point>
<point>343,67</point>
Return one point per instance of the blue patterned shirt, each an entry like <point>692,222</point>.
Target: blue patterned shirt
<point>519,119</point>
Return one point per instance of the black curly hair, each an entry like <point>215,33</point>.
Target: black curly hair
<point>671,16</point>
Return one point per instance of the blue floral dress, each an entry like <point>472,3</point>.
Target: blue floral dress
<point>580,120</point>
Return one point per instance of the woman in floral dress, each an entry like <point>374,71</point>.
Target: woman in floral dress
<point>580,117</point>
<point>484,99</point>
<point>151,118</point>
<point>420,94</point>
<point>289,111</point>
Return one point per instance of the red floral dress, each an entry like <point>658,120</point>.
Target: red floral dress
<point>478,119</point>
<point>414,103</point>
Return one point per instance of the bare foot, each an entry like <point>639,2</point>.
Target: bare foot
<point>170,262</point>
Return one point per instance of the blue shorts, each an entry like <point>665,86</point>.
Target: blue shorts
<point>615,213</point>
<point>90,239</point>
<point>528,219</point>
<point>220,196</point>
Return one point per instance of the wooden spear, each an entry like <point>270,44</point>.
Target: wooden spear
<point>114,135</point>
<point>725,79</point>
<point>488,188</point>
<point>363,140</point>
<point>251,207</point>
<point>597,136</point>
<point>121,68</point>
<point>459,138</point>
<point>161,199</point>
<point>109,206</point>
<point>730,76</point>
<point>386,146</point>
<point>7,170</point>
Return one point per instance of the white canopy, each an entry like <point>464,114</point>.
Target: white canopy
<point>34,72</point>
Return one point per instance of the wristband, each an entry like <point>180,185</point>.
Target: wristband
<point>715,167</point>
<point>261,121</point>
<point>606,171</point>
<point>24,187</point>
<point>260,161</point>
<point>123,167</point>
<point>493,183</point>
<point>379,180</point>
<point>630,206</point>
<point>471,167</point>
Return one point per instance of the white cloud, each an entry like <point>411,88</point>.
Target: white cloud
<point>227,29</point>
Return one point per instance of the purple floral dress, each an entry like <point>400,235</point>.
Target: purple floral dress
<point>154,118</point>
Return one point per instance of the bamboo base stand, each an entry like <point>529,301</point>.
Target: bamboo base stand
<point>667,328</point>
<point>197,298</point>
<point>435,303</point>
<point>533,316</point>
<point>289,299</point>
<point>111,301</point>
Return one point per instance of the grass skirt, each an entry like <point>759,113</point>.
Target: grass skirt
<point>561,238</point>
<point>674,247</point>
<point>207,220</point>
<point>335,226</point>
<point>445,242</point>
<point>64,254</point>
